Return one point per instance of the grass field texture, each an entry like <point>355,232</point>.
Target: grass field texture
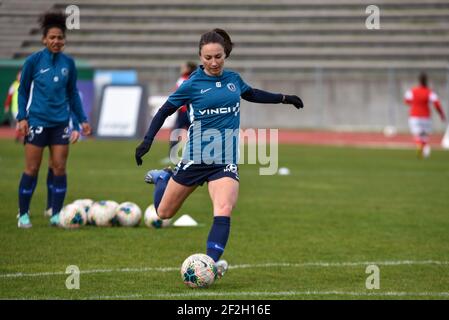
<point>308,235</point>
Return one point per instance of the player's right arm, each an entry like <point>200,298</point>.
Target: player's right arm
<point>436,102</point>
<point>408,97</point>
<point>176,100</point>
<point>24,93</point>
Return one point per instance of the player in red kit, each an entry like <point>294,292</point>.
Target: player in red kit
<point>419,99</point>
<point>182,117</point>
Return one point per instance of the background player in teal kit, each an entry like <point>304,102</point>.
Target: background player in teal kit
<point>213,96</point>
<point>47,96</point>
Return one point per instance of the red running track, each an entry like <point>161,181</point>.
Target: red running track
<point>335,138</point>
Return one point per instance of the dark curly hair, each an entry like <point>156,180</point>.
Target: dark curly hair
<point>52,19</point>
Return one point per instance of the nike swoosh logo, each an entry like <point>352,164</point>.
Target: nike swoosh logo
<point>44,70</point>
<point>204,91</point>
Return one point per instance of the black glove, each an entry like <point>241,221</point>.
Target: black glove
<point>141,150</point>
<point>294,100</point>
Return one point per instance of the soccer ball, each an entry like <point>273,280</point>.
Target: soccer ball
<point>152,220</point>
<point>198,271</point>
<point>128,214</point>
<point>112,204</point>
<point>72,216</point>
<point>102,213</point>
<point>85,203</point>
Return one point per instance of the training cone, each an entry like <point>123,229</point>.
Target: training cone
<point>185,221</point>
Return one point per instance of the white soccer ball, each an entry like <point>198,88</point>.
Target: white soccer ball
<point>113,205</point>
<point>152,220</point>
<point>128,214</point>
<point>198,271</point>
<point>85,203</point>
<point>102,213</point>
<point>284,171</point>
<point>72,216</point>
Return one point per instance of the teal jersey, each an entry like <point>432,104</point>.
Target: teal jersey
<point>214,111</point>
<point>47,91</point>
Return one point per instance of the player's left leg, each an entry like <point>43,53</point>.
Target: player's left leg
<point>423,146</point>
<point>50,176</point>
<point>172,198</point>
<point>224,195</point>
<point>58,154</point>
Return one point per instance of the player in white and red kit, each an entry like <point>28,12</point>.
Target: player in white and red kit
<point>419,99</point>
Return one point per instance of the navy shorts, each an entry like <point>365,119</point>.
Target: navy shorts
<point>42,137</point>
<point>189,174</point>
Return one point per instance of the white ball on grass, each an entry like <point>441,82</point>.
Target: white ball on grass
<point>284,171</point>
<point>128,214</point>
<point>152,220</point>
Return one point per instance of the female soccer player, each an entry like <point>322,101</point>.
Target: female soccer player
<point>213,96</point>
<point>47,95</point>
<point>419,98</point>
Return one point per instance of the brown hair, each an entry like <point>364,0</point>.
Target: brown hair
<point>191,66</point>
<point>217,36</point>
<point>423,79</point>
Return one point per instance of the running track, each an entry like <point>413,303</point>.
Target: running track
<point>334,138</point>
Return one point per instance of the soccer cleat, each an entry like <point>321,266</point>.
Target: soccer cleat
<point>24,221</point>
<point>222,267</point>
<point>152,175</point>
<point>48,212</point>
<point>18,214</point>
<point>54,220</point>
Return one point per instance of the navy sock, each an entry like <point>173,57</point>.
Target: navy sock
<point>161,185</point>
<point>218,237</point>
<point>58,194</point>
<point>49,187</point>
<point>26,188</point>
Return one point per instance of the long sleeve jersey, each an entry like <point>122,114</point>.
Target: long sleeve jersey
<point>47,91</point>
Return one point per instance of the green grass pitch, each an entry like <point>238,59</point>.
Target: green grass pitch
<point>309,235</point>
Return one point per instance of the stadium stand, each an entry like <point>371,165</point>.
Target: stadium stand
<point>295,44</point>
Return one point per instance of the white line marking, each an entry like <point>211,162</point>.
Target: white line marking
<point>259,294</point>
<point>251,294</point>
<point>239,266</point>
<point>273,294</point>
